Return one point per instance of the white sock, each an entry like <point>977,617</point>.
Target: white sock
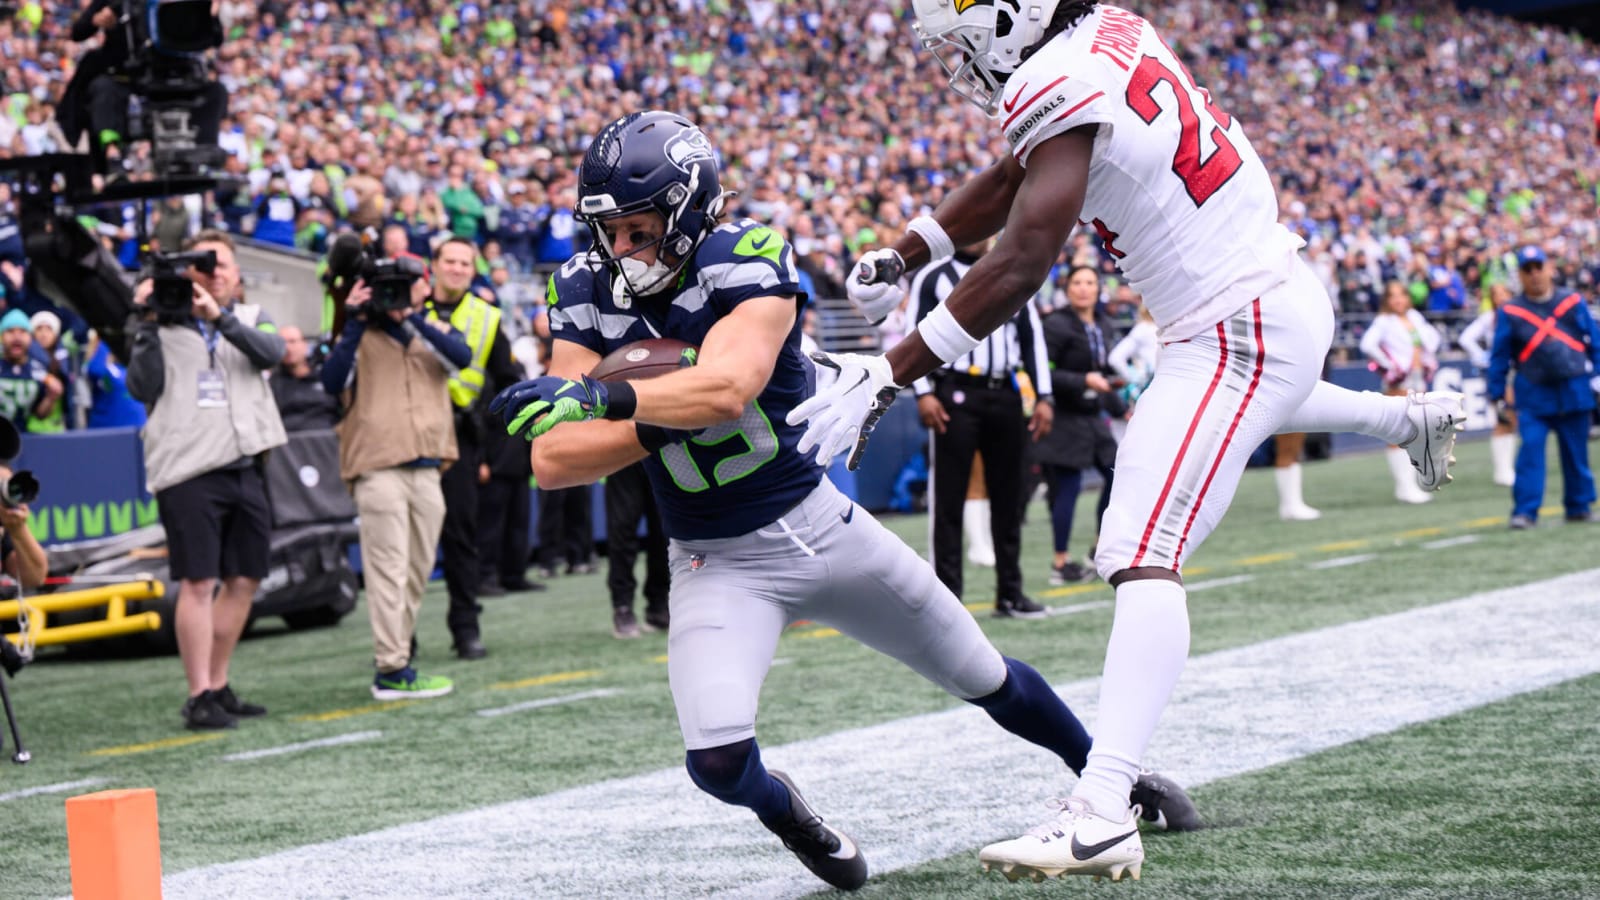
<point>1291,500</point>
<point>1333,408</point>
<point>1406,489</point>
<point>1503,450</point>
<point>980,539</point>
<point>1148,647</point>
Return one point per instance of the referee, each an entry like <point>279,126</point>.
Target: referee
<point>984,403</point>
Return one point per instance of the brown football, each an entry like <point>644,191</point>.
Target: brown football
<point>648,358</point>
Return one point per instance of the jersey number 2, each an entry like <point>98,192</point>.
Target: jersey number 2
<point>1201,178</point>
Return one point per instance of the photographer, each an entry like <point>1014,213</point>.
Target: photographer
<point>211,416</point>
<point>391,368</point>
<point>20,553</point>
<point>489,369</point>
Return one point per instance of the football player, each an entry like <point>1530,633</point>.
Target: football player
<point>1107,128</point>
<point>759,538</point>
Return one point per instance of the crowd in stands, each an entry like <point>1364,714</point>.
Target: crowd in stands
<point>1411,141</point>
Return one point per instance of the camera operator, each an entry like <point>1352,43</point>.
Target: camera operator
<point>490,368</point>
<point>20,553</point>
<point>198,371</point>
<point>391,368</point>
<point>96,99</point>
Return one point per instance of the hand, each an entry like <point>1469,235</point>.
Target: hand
<point>932,413</point>
<point>1096,382</point>
<point>874,286</point>
<point>205,306</point>
<point>853,392</point>
<point>12,272</point>
<point>52,386</point>
<point>1594,384</point>
<point>142,292</point>
<point>483,473</point>
<point>1044,418</point>
<point>14,519</point>
<point>105,18</point>
<point>531,408</point>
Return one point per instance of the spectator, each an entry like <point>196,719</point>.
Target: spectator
<point>111,406</point>
<point>297,387</point>
<point>277,213</point>
<point>504,508</point>
<point>1554,345</point>
<point>48,345</point>
<point>390,369</point>
<point>211,416</point>
<point>1473,339</point>
<point>29,394</point>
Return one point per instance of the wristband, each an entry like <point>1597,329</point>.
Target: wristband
<point>945,336</point>
<point>621,401</point>
<point>934,235</point>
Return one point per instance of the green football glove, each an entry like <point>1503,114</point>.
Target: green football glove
<point>531,408</point>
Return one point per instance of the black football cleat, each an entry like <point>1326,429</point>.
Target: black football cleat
<point>1164,803</point>
<point>829,853</point>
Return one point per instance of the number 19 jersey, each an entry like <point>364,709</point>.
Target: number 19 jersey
<point>1175,191</point>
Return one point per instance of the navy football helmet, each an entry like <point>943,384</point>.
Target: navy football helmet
<point>651,162</point>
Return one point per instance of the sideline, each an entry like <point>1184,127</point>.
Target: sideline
<point>926,787</point>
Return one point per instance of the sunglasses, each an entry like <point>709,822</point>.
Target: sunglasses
<point>1531,267</point>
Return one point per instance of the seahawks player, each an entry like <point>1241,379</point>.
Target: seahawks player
<point>759,537</point>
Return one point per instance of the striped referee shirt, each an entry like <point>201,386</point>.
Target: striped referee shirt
<point>1016,345</point>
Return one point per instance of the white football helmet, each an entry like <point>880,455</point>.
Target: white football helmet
<point>980,42</point>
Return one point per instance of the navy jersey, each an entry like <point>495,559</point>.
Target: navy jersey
<point>739,476</point>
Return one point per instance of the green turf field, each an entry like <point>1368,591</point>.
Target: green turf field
<point>1488,802</point>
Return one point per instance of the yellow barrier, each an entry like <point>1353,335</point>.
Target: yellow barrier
<point>114,597</point>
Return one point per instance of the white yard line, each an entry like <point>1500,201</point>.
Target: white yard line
<point>1339,561</point>
<point>926,787</point>
<point>548,701</point>
<point>338,740</point>
<point>1452,542</point>
<point>1218,582</point>
<point>60,787</point>
<point>1075,608</point>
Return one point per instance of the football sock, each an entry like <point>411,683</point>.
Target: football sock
<point>1026,706</point>
<point>1333,408</point>
<point>1148,647</point>
<point>734,774</point>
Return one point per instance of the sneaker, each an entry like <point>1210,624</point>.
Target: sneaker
<point>1437,415</point>
<point>233,706</point>
<point>583,568</point>
<point>1582,518</point>
<point>406,684</point>
<point>1070,572</point>
<point>1522,523</point>
<point>546,572</point>
<point>1077,841</point>
<point>1164,803</point>
<point>623,623</point>
<point>657,619</point>
<point>490,587</point>
<point>1019,607</point>
<point>202,712</point>
<point>829,853</point>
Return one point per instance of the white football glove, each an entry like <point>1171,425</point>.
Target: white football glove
<point>853,392</point>
<point>874,286</point>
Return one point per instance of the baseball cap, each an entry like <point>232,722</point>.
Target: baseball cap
<point>15,318</point>
<point>1530,254</point>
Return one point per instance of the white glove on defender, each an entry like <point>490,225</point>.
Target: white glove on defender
<point>874,286</point>
<point>853,392</point>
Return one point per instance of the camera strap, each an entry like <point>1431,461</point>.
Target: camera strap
<point>212,336</point>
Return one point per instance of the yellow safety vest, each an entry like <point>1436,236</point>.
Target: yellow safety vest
<point>478,321</point>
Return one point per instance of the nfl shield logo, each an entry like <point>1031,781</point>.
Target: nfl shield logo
<point>697,562</point>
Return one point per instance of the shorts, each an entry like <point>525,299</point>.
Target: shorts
<point>218,525</point>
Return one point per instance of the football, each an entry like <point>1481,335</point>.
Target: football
<point>649,358</point>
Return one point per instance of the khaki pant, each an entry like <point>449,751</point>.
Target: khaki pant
<point>402,510</point>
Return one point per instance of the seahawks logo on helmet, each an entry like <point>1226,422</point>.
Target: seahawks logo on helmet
<point>689,146</point>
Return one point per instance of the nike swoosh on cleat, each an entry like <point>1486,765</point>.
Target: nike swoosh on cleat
<point>847,847</point>
<point>1083,851</point>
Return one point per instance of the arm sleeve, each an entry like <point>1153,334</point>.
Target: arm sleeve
<point>1499,357</point>
<point>340,365</point>
<point>1471,339</point>
<point>1122,354</point>
<point>1372,343</point>
<point>1430,335</point>
<point>1587,323</point>
<point>501,369</point>
<point>147,374</point>
<point>1037,360</point>
<point>924,294</point>
<point>262,344</point>
<point>83,27</point>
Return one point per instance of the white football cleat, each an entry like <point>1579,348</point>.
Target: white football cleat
<point>1077,841</point>
<point>1437,415</point>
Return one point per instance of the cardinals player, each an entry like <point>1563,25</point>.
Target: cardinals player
<point>1106,127</point>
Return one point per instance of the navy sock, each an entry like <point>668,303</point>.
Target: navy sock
<point>734,774</point>
<point>1027,707</point>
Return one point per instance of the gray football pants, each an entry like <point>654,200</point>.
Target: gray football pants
<point>826,560</point>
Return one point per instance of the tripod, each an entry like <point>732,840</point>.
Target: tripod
<point>10,662</point>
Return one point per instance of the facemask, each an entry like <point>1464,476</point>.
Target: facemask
<point>644,280</point>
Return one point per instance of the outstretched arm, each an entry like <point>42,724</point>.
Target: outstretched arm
<point>1045,203</point>
<point>971,213</point>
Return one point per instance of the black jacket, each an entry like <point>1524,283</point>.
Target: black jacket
<point>1080,438</point>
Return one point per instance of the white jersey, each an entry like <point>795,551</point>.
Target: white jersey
<point>1401,344</point>
<point>1476,338</point>
<point>1175,189</point>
